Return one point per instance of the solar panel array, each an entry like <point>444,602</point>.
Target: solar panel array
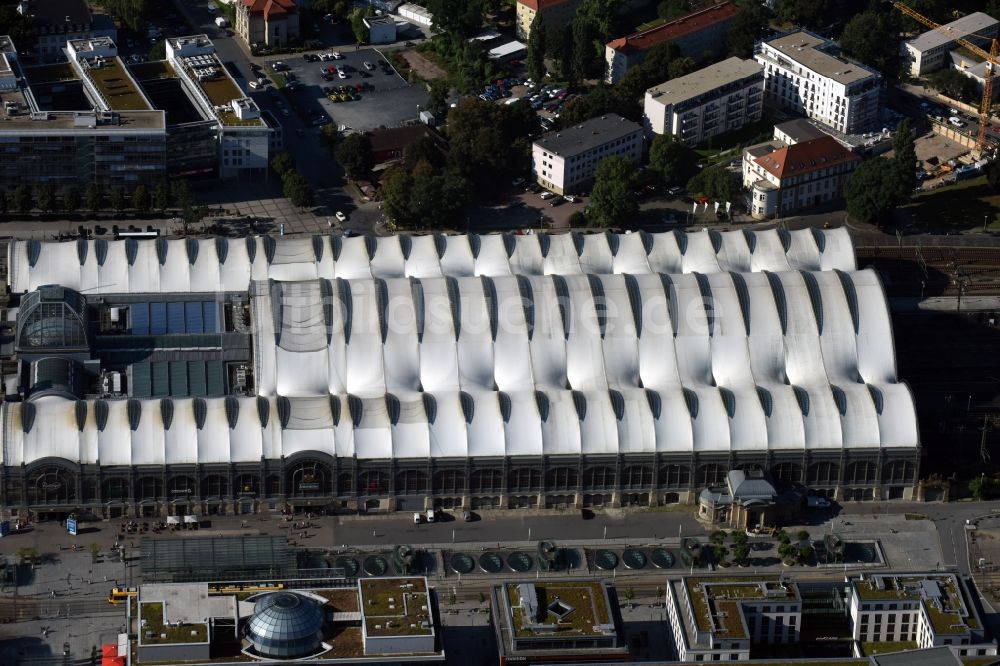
<point>174,317</point>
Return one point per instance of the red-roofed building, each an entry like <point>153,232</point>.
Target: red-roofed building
<point>783,179</point>
<point>554,13</point>
<point>267,22</point>
<point>696,34</point>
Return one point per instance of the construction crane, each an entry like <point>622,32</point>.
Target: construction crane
<point>989,58</point>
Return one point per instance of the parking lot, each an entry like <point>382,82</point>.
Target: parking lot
<point>386,99</point>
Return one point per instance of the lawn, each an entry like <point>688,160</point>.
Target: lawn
<point>963,205</point>
<point>152,613</point>
<point>713,150</point>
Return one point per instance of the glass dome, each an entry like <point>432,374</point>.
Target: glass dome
<point>52,317</point>
<point>286,625</point>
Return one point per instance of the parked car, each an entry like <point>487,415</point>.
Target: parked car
<point>431,515</point>
<point>517,182</point>
<point>416,518</point>
<point>342,74</point>
<point>369,66</point>
<point>572,198</point>
<point>557,201</point>
<point>341,217</point>
<point>546,195</point>
<point>956,121</point>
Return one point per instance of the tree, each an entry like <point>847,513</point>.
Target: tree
<point>93,197</point>
<point>458,18</point>
<point>426,149</point>
<point>741,552</point>
<point>437,97</point>
<point>488,143</point>
<point>681,67</point>
<point>355,154</point>
<point>669,9</point>
<point>20,199</point>
<point>803,535</point>
<point>718,537</point>
<point>747,28</point>
<point>611,200</point>
<point>715,183</point>
<point>873,190</point>
<point>565,56</point>
<point>805,553</point>
<point>71,198</point>
<point>536,49</point>
<point>19,27</point>
<point>116,199</point>
<point>140,198</point>
<point>297,189</point>
<point>358,26</point>
<point>787,551</point>
<point>993,176</point>
<point>191,216</point>
<point>45,197</point>
<point>629,594</point>
<point>871,38</point>
<point>158,50</point>
<point>583,34</point>
<point>181,191</point>
<point>161,195</point>
<point>905,156</point>
<point>131,13</point>
<point>3,201</point>
<point>601,15</point>
<point>952,83</point>
<point>282,163</point>
<point>984,488</point>
<point>95,552</point>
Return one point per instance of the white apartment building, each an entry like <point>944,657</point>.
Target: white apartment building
<point>782,179</point>
<point>719,98</point>
<point>719,618</point>
<point>564,161</point>
<point>932,609</point>
<point>930,51</point>
<point>805,74</point>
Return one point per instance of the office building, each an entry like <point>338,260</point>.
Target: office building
<point>510,371</point>
<point>388,620</point>
<point>716,99</point>
<point>930,51</point>
<point>701,34</point>
<point>722,618</point>
<point>784,179</point>
<point>271,23</point>
<point>78,122</point>
<point>556,622</point>
<point>564,161</point>
<point>931,609</point>
<point>56,22</point>
<point>94,119</point>
<point>805,74</point>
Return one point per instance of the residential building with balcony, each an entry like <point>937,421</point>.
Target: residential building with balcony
<point>564,161</point>
<point>716,99</point>
<point>782,179</point>
<point>930,51</point>
<point>700,34</point>
<point>720,619</point>
<point>931,609</point>
<point>805,74</point>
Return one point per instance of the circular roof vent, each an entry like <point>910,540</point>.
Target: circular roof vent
<point>286,625</point>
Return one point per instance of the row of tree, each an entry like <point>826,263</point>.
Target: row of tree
<point>71,198</point>
<point>294,185</point>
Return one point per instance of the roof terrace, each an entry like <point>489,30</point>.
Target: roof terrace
<point>717,602</point>
<point>941,595</point>
<point>114,84</point>
<point>208,73</point>
<point>578,608</point>
<point>395,607</point>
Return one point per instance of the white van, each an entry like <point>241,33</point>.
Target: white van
<point>416,518</point>
<point>430,515</point>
